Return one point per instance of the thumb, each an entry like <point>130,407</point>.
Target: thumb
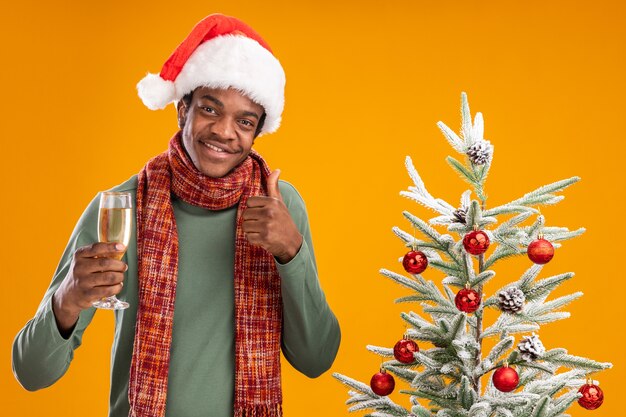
<point>272,185</point>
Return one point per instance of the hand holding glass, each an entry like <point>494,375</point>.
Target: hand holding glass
<point>114,225</point>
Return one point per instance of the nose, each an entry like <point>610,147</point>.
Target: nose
<point>224,127</point>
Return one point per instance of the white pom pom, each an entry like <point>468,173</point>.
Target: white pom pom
<point>155,92</point>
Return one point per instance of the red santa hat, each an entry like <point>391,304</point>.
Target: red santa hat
<point>220,52</point>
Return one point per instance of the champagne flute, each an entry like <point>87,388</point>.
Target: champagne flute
<point>114,225</point>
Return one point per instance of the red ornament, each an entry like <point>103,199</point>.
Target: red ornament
<point>467,300</point>
<point>505,379</point>
<point>382,383</point>
<point>540,251</point>
<point>476,242</point>
<point>415,262</point>
<point>404,349</point>
<point>592,396</point>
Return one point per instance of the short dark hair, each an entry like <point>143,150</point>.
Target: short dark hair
<point>187,101</point>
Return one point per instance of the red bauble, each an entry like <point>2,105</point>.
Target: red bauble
<point>540,251</point>
<point>505,379</point>
<point>382,383</point>
<point>476,242</point>
<point>404,349</point>
<point>467,300</point>
<point>592,396</point>
<point>415,262</point>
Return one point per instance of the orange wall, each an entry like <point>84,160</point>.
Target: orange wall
<point>367,81</point>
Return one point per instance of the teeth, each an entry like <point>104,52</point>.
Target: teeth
<point>215,148</point>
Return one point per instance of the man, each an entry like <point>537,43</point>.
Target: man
<point>220,272</point>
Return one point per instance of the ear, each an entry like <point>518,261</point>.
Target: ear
<point>182,110</point>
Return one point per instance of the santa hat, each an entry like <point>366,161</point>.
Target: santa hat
<point>220,52</point>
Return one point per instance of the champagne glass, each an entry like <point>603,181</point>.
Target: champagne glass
<point>114,225</point>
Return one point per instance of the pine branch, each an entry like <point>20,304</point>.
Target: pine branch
<point>454,281</point>
<point>452,138</point>
<point>466,122</point>
<point>380,351</point>
<point>475,217</point>
<point>542,195</point>
<point>525,281</point>
<point>470,134</point>
<point>501,252</point>
<point>508,324</point>
<point>498,350</point>
<point>509,208</point>
<point>419,411</point>
<point>545,286</point>
<point>541,408</point>
<point>571,378</point>
<point>400,371</point>
<point>509,224</point>
<point>503,412</point>
<point>481,175</point>
<point>445,267</point>
<point>457,328</point>
<point>426,290</point>
<point>482,278</point>
<point>419,193</point>
<point>534,365</point>
<point>467,396</point>
<point>556,237</point>
<point>562,403</point>
<point>534,310</point>
<point>430,379</point>
<point>428,247</point>
<point>561,358</point>
<point>448,402</point>
<point>354,384</point>
<point>365,398</point>
<point>415,320</point>
<point>463,172</point>
<point>480,409</point>
<point>427,230</point>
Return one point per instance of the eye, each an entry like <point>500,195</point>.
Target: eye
<point>207,109</point>
<point>246,123</point>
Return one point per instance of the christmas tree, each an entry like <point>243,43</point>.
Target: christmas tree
<point>522,378</point>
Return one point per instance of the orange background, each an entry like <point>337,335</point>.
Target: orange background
<point>367,81</point>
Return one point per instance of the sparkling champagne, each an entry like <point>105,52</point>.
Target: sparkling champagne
<point>114,225</point>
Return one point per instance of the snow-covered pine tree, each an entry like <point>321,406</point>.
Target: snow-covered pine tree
<point>447,380</point>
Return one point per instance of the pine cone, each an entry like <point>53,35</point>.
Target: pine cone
<point>511,300</point>
<point>480,152</point>
<point>531,348</point>
<point>459,215</point>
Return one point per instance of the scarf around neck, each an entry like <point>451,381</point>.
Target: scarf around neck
<point>258,303</point>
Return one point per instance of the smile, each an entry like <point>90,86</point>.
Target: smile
<point>215,148</point>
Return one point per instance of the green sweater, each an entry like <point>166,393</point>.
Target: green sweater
<point>203,347</point>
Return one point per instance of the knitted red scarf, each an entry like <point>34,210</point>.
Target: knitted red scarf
<point>258,304</point>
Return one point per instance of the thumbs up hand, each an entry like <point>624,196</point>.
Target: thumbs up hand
<point>268,223</point>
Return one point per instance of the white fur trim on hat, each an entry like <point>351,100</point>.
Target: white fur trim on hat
<point>225,61</point>
<point>155,92</point>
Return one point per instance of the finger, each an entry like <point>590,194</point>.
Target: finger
<point>91,265</point>
<point>100,249</point>
<point>253,226</point>
<point>272,185</point>
<point>254,238</point>
<point>258,201</point>
<point>106,278</point>
<point>254,213</point>
<point>98,293</point>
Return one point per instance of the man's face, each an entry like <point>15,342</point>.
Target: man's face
<point>219,127</point>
